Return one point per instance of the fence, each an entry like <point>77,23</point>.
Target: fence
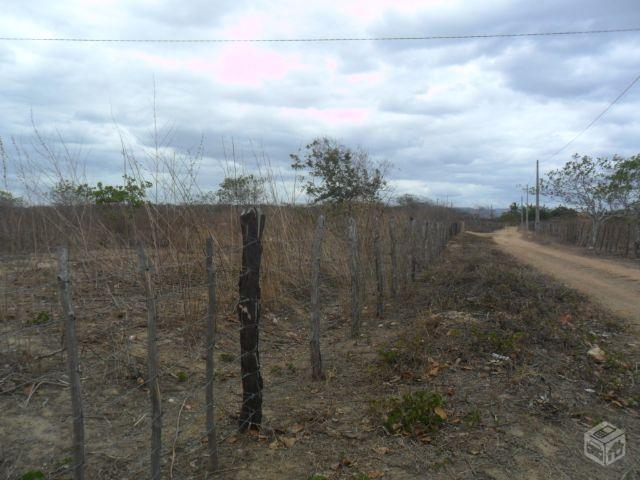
<point>137,375</point>
<point>616,237</point>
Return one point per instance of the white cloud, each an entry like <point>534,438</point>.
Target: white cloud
<point>459,119</point>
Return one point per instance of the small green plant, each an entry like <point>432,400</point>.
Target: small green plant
<point>291,367</point>
<point>414,412</point>
<point>317,477</point>
<point>227,357</point>
<point>41,318</point>
<point>183,377</point>
<point>32,475</point>
<point>473,418</point>
<point>276,370</point>
<point>388,356</point>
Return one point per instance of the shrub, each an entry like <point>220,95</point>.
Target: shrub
<point>413,413</point>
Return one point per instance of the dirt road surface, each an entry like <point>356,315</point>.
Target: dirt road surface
<point>614,284</point>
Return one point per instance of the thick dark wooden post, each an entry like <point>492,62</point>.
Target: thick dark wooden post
<point>252,224</point>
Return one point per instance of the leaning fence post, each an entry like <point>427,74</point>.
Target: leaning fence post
<point>355,279</point>
<point>377,247</point>
<point>212,441</point>
<point>394,257</point>
<point>152,360</point>
<point>74,366</point>
<point>252,224</point>
<point>314,342</point>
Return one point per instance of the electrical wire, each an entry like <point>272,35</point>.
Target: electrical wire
<point>599,116</point>
<point>317,39</point>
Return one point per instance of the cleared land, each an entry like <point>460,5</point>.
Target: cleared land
<point>522,416</point>
<point>614,284</point>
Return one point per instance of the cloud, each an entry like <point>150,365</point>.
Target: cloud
<point>458,119</point>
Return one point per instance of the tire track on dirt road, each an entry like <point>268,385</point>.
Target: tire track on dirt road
<point>612,283</point>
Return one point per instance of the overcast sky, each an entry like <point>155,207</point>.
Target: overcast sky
<point>458,119</point>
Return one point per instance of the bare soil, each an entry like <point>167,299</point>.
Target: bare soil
<point>521,414</point>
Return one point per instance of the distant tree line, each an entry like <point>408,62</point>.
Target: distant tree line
<point>598,188</point>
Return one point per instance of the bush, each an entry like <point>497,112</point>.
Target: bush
<point>414,413</point>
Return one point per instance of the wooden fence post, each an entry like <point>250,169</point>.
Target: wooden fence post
<point>152,360</point>
<point>424,246</point>
<point>314,341</point>
<point>412,249</point>
<point>355,279</point>
<point>377,247</point>
<point>394,257</point>
<point>212,441</point>
<point>74,366</point>
<point>252,223</point>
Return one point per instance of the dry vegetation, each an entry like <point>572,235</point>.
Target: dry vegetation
<point>420,393</point>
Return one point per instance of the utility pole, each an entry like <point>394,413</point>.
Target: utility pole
<point>537,221</point>
<point>526,211</point>
<point>521,214</point>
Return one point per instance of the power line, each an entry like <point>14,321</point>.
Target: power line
<point>600,115</point>
<point>316,39</point>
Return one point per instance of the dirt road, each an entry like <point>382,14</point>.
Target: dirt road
<point>614,284</point>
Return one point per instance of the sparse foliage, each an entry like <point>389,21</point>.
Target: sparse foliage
<point>67,193</point>
<point>587,184</point>
<point>337,174</point>
<point>7,199</point>
<point>241,190</point>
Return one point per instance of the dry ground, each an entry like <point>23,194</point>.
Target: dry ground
<point>521,415</point>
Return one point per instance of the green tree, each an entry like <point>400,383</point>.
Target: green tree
<point>587,184</point>
<point>7,199</point>
<point>241,190</point>
<point>410,200</point>
<point>626,182</point>
<point>132,193</point>
<point>337,174</point>
<point>67,193</point>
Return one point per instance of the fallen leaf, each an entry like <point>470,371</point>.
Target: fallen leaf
<point>232,439</point>
<point>296,428</point>
<point>273,445</point>
<point>597,354</point>
<point>288,441</point>
<point>381,450</point>
<point>375,474</point>
<point>440,412</point>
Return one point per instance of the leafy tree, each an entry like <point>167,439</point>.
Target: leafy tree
<point>562,212</point>
<point>337,174</point>
<point>241,190</point>
<point>132,193</point>
<point>587,184</point>
<point>67,193</point>
<point>7,199</point>
<point>626,182</point>
<point>410,200</point>
<point>512,215</point>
